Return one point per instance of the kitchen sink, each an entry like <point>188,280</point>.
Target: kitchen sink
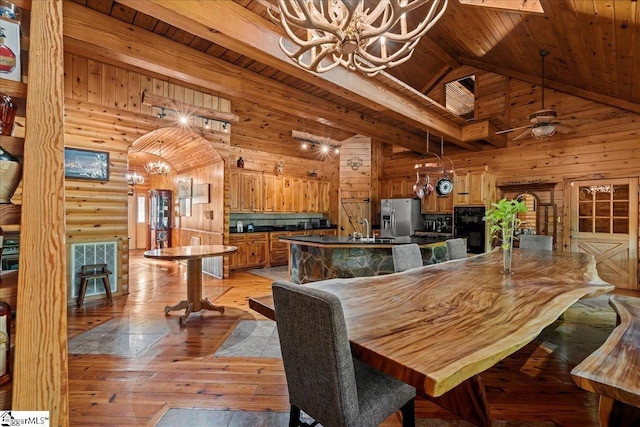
<point>383,239</point>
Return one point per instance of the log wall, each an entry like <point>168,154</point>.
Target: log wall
<point>104,112</point>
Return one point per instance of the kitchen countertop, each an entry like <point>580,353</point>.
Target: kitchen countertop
<point>350,241</point>
<point>276,228</point>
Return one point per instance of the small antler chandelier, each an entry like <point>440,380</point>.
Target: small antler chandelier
<point>343,32</point>
<point>158,167</point>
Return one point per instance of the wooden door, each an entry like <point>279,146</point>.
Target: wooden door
<point>138,220</point>
<point>604,223</point>
<point>352,211</point>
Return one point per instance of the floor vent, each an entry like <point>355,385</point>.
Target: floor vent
<point>93,253</point>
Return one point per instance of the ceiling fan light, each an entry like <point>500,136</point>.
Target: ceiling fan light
<point>543,131</point>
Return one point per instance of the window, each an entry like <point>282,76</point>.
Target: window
<point>141,214</point>
<point>460,97</point>
<point>604,209</point>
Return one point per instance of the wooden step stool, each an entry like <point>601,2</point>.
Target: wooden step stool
<point>94,271</point>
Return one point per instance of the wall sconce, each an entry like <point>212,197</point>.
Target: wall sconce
<point>279,168</point>
<point>162,114</point>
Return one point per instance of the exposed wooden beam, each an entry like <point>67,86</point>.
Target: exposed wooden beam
<point>437,78</point>
<point>239,29</point>
<point>92,35</point>
<point>484,131</point>
<point>561,87</point>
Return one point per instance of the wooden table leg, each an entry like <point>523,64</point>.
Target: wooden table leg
<point>179,306</point>
<point>194,290</point>
<point>468,400</point>
<point>615,413</point>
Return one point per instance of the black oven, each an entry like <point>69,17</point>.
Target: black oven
<point>468,224</point>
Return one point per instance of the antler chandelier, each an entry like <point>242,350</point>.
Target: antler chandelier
<point>158,167</point>
<point>363,35</point>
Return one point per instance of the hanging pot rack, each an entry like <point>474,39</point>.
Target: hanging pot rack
<point>432,164</point>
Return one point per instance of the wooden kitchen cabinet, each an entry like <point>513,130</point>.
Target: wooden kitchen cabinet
<point>474,186</point>
<point>245,191</point>
<point>273,193</point>
<point>255,191</point>
<point>434,204</point>
<point>252,250</point>
<point>251,192</point>
<point>235,177</point>
<point>324,197</point>
<point>397,188</point>
<point>292,190</point>
<point>278,251</point>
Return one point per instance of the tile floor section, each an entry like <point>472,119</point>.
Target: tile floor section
<point>252,338</point>
<point>212,418</point>
<point>124,336</point>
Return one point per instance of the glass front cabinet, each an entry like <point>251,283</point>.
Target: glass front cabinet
<point>159,219</point>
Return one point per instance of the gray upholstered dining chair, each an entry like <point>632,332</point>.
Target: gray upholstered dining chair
<point>323,378</point>
<point>536,241</point>
<point>406,256</point>
<point>456,248</point>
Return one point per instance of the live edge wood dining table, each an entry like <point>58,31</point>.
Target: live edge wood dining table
<point>439,326</point>
<point>194,256</point>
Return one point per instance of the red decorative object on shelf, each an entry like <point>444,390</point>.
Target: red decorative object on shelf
<point>7,114</point>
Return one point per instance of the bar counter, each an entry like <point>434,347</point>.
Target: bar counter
<point>313,258</point>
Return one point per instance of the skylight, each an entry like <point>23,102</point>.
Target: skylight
<point>460,97</point>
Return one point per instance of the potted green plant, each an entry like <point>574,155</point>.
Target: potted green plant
<point>503,219</point>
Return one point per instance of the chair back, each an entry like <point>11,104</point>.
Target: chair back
<point>316,354</point>
<point>456,248</point>
<point>406,256</point>
<point>536,241</point>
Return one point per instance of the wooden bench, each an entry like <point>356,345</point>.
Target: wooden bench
<point>613,370</point>
<point>94,271</point>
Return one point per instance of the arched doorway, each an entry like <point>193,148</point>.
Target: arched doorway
<point>184,152</point>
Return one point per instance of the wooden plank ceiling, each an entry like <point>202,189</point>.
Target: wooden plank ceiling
<point>592,44</point>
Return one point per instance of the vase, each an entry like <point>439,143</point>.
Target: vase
<point>506,260</point>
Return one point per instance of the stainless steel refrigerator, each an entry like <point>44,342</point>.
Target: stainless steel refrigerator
<point>400,217</point>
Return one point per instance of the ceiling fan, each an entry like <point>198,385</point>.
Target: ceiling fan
<point>543,122</point>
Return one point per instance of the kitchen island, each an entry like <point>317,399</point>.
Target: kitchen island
<point>313,258</point>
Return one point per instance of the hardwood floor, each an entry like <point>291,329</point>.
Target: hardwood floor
<point>128,363</point>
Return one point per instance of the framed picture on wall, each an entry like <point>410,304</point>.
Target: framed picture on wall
<point>86,164</point>
<point>201,193</point>
<point>184,188</point>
